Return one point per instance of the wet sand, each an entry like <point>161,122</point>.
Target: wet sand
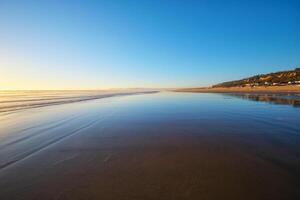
<point>11,101</point>
<point>259,89</point>
<point>140,150</point>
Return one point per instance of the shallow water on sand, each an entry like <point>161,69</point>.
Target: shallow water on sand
<point>153,146</point>
<point>12,101</point>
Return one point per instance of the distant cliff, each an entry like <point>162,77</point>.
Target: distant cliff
<point>277,78</point>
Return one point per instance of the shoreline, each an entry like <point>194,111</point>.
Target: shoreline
<point>167,148</point>
<point>259,89</point>
<point>12,104</point>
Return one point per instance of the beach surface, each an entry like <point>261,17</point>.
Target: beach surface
<point>11,101</point>
<point>152,146</point>
<point>258,89</point>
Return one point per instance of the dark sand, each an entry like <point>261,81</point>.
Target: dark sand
<point>140,159</point>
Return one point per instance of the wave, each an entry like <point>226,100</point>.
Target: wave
<point>19,100</point>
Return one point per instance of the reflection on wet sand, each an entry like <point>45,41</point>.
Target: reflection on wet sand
<point>280,99</point>
<point>151,146</point>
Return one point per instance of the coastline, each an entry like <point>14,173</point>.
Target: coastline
<point>134,148</point>
<point>11,101</point>
<point>259,89</point>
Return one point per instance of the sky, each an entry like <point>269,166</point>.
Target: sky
<point>59,44</point>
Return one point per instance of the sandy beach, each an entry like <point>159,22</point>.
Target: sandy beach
<point>150,100</point>
<point>150,146</point>
<point>258,89</point>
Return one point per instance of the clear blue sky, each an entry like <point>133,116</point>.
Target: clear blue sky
<point>102,44</point>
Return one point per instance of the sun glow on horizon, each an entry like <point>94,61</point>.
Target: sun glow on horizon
<point>66,45</point>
